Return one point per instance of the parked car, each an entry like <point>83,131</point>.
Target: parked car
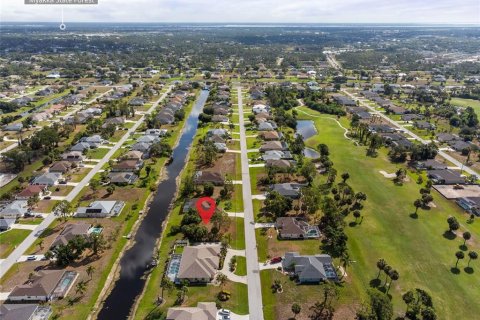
<point>225,312</point>
<point>31,258</point>
<point>276,260</point>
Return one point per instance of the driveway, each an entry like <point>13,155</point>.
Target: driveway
<point>226,271</point>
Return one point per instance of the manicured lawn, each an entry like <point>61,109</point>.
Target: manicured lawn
<point>31,221</point>
<point>238,234</point>
<point>416,247</point>
<point>254,177</point>
<point>253,143</point>
<point>97,153</point>
<point>241,269</point>
<point>10,239</point>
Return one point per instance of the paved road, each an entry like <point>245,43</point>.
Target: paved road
<point>411,134</point>
<point>255,305</point>
<point>7,263</point>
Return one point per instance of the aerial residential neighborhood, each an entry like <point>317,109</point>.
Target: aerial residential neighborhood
<point>257,161</point>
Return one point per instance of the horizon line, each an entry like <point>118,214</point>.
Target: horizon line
<point>259,23</point>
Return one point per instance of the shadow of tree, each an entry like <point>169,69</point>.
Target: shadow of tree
<point>352,224</point>
<point>375,283</point>
<point>413,215</point>
<point>463,247</point>
<point>449,235</point>
<point>469,270</point>
<point>455,270</point>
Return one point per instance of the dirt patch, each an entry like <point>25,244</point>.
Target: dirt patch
<point>60,191</point>
<point>123,194</point>
<point>225,164</point>
<point>44,206</point>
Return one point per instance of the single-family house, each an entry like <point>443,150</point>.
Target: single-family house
<point>430,164</point>
<point>48,179</point>
<point>295,228</point>
<point>71,231</point>
<point>447,137</point>
<point>13,311</point>
<point>267,126</point>
<point>133,155</point>
<point>273,146</point>
<point>202,177</point>
<point>470,204</point>
<point>277,155</point>
<point>45,285</point>
<point>80,147</point>
<point>73,156</point>
<point>278,163</point>
<point>310,269</point>
<point>60,166</point>
<point>6,223</point>
<point>31,191</point>
<point>446,177</point>
<point>122,178</point>
<point>270,135</point>
<point>127,166</point>
<point>15,209</point>
<point>203,311</point>
<point>343,100</point>
<point>199,263</point>
<point>289,190</point>
<point>141,146</point>
<point>424,125</point>
<point>101,209</point>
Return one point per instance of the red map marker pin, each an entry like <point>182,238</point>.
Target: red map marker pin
<point>206,208</point>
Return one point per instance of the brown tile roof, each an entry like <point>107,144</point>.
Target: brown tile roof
<point>199,262</point>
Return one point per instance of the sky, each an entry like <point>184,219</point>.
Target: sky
<point>251,11</point>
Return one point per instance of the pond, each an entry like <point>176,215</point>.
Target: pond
<point>306,128</point>
<point>310,153</point>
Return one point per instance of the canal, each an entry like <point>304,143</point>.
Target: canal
<point>130,283</point>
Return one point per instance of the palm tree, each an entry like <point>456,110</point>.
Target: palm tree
<point>345,176</point>
<point>387,270</point>
<point>40,244</point>
<point>166,284</point>
<point>473,256</point>
<point>357,215</point>
<point>393,277</point>
<point>221,278</point>
<point>296,309</point>
<point>466,236</point>
<point>459,255</point>
<point>81,287</point>
<point>345,260</point>
<point>417,203</point>
<point>90,270</point>
<point>381,263</point>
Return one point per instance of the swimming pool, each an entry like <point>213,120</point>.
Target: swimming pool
<point>173,266</point>
<point>96,230</point>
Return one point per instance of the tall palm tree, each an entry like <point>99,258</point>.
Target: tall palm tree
<point>81,287</point>
<point>393,277</point>
<point>90,270</point>
<point>381,263</point>
<point>460,255</point>
<point>296,309</point>
<point>387,270</point>
<point>466,236</point>
<point>473,256</point>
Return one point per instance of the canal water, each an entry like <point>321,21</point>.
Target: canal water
<point>134,261</point>
<point>306,128</point>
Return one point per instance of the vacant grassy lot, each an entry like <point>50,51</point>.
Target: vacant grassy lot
<point>475,104</point>
<point>416,247</point>
<point>97,153</point>
<point>241,269</point>
<point>10,239</point>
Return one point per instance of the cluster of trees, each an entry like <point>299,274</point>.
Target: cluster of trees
<point>317,100</point>
<point>324,309</point>
<point>419,305</point>
<point>361,131</point>
<point>95,126</point>
<point>119,108</point>
<point>390,273</point>
<point>282,98</point>
<point>42,142</point>
<point>425,197</point>
<point>74,249</point>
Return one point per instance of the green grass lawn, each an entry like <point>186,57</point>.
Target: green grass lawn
<point>416,248</point>
<point>253,143</point>
<point>238,234</point>
<point>475,104</point>
<point>10,239</point>
<point>97,153</point>
<point>241,269</point>
<point>254,173</point>
<point>31,221</point>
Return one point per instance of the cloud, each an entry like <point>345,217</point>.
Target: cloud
<point>257,11</point>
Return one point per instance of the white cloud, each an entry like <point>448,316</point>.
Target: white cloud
<point>297,11</point>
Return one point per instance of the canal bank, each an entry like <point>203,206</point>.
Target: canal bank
<point>131,279</point>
